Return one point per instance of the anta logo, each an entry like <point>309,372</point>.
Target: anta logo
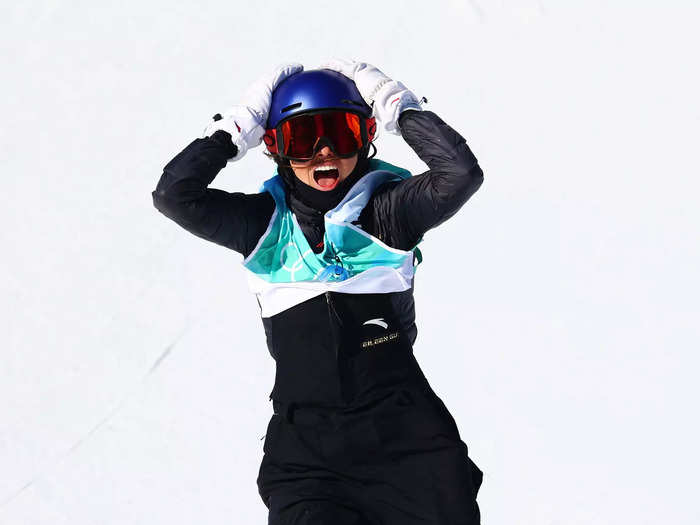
<point>379,322</point>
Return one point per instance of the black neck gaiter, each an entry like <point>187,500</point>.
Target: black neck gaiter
<point>322,201</point>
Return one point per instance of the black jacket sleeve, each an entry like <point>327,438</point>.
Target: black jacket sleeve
<point>399,213</point>
<point>234,220</point>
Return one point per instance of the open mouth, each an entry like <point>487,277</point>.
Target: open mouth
<point>326,177</point>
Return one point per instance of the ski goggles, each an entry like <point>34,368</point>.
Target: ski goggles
<point>300,137</point>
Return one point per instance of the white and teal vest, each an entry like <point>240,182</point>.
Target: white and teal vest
<point>284,271</point>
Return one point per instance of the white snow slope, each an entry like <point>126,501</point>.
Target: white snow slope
<point>563,334</point>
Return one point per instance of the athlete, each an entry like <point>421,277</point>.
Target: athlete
<point>330,250</point>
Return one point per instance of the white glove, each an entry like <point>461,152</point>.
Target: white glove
<point>390,97</point>
<point>246,122</point>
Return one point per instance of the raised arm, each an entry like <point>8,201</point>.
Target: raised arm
<point>401,212</point>
<point>233,220</point>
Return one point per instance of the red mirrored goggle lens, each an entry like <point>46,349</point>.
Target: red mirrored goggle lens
<point>301,134</point>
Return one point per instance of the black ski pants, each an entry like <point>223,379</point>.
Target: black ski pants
<point>397,461</point>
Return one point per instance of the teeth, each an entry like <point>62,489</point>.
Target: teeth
<point>325,168</point>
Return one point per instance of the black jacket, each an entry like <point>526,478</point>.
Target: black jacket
<point>325,354</point>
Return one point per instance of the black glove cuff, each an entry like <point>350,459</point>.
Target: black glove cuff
<point>224,138</point>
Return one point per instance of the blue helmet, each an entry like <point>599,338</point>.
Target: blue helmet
<point>315,90</point>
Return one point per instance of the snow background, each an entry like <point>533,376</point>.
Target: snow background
<point>561,329</point>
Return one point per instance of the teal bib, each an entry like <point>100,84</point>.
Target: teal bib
<point>283,255</point>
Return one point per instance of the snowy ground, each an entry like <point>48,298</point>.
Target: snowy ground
<point>558,311</point>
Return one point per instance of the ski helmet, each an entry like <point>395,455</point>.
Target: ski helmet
<point>314,91</point>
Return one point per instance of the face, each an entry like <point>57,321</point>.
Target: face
<point>324,171</point>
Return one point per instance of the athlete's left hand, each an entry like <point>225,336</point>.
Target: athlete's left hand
<point>390,97</point>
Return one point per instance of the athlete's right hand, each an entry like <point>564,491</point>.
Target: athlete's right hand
<point>246,121</point>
